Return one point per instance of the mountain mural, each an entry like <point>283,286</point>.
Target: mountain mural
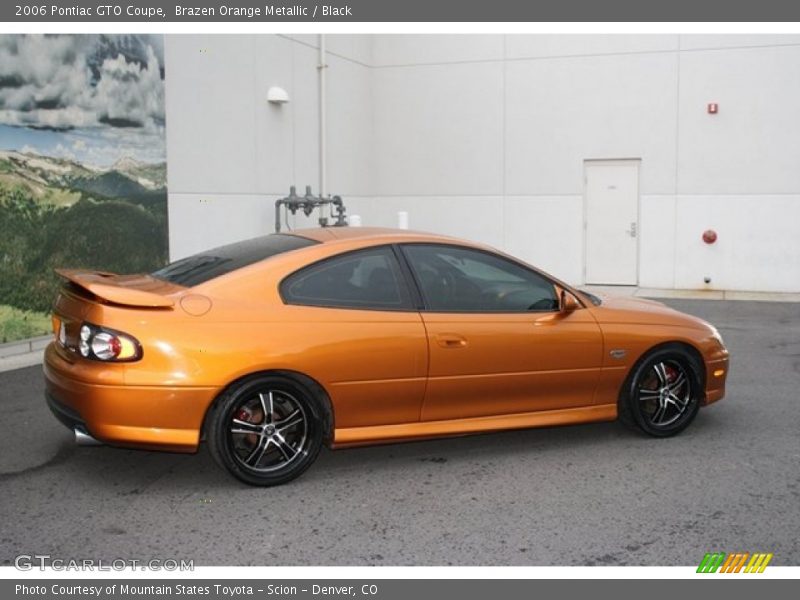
<point>82,164</point>
<point>57,212</point>
<point>59,181</point>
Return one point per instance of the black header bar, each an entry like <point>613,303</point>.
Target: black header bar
<point>352,11</point>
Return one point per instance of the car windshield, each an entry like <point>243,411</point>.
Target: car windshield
<point>207,265</point>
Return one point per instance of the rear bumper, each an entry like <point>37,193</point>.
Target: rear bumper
<point>68,417</point>
<point>150,417</point>
<point>72,421</point>
<point>716,376</point>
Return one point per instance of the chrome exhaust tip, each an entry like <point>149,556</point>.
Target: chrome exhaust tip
<point>84,439</point>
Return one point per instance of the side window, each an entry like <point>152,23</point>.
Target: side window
<point>367,279</point>
<point>456,279</point>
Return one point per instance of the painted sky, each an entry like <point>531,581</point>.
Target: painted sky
<point>91,98</point>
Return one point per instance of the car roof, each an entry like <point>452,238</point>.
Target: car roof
<point>330,234</point>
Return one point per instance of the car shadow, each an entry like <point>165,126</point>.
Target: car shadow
<point>133,472</point>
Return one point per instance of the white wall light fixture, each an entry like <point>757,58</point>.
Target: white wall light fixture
<point>277,95</point>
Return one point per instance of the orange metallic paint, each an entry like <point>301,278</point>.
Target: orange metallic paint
<point>531,355</point>
<point>389,375</point>
<point>431,429</point>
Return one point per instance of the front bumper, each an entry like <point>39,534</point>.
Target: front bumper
<point>150,417</point>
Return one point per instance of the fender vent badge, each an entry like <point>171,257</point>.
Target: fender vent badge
<point>618,353</point>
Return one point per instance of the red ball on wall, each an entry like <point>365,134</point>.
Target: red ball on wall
<point>709,236</point>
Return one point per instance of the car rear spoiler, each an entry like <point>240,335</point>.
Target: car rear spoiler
<point>104,286</point>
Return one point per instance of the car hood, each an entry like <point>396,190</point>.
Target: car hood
<point>643,311</point>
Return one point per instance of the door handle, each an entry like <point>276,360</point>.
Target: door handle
<point>632,231</point>
<point>451,340</point>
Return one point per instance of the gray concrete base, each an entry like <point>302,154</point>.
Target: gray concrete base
<point>23,353</point>
<point>20,361</point>
<point>24,346</point>
<point>632,290</point>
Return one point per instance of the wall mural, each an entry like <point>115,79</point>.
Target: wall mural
<point>82,165</point>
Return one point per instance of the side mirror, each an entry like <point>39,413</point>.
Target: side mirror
<point>568,302</point>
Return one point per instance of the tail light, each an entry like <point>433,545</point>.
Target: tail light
<point>100,343</point>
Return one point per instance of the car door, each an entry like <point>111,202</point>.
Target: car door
<point>361,336</point>
<point>497,342</point>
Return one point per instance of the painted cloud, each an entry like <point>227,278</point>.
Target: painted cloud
<point>82,81</point>
<point>91,98</point>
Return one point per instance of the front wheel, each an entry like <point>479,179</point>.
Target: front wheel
<point>266,430</point>
<point>663,395</point>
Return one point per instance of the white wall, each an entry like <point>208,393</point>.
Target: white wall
<point>485,137</point>
<point>231,154</point>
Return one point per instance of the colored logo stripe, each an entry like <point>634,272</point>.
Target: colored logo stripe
<point>758,563</point>
<point>711,562</point>
<point>734,563</point>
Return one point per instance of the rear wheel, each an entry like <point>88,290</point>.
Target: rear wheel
<point>663,394</point>
<point>266,430</point>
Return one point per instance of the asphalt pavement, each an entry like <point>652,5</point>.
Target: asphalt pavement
<point>584,495</point>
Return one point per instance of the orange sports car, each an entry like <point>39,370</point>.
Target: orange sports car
<point>271,347</point>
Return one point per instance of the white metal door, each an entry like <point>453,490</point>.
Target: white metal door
<point>612,221</point>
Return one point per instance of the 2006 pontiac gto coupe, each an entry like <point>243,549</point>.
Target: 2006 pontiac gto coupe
<point>271,347</point>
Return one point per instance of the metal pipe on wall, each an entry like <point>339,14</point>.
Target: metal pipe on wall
<point>323,118</point>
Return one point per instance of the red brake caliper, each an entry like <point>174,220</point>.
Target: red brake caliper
<point>245,415</point>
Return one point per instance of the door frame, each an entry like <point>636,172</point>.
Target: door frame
<point>585,207</point>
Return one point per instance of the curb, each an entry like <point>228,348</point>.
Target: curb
<point>718,295</point>
<point>681,294</point>
<point>24,346</point>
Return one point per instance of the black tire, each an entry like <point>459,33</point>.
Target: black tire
<point>266,430</point>
<point>662,395</point>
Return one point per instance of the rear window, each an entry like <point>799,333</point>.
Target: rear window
<point>207,265</point>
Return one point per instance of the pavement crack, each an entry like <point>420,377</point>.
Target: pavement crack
<point>63,454</point>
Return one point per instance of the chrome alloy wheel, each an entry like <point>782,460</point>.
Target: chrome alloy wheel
<point>268,431</point>
<point>665,393</point>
